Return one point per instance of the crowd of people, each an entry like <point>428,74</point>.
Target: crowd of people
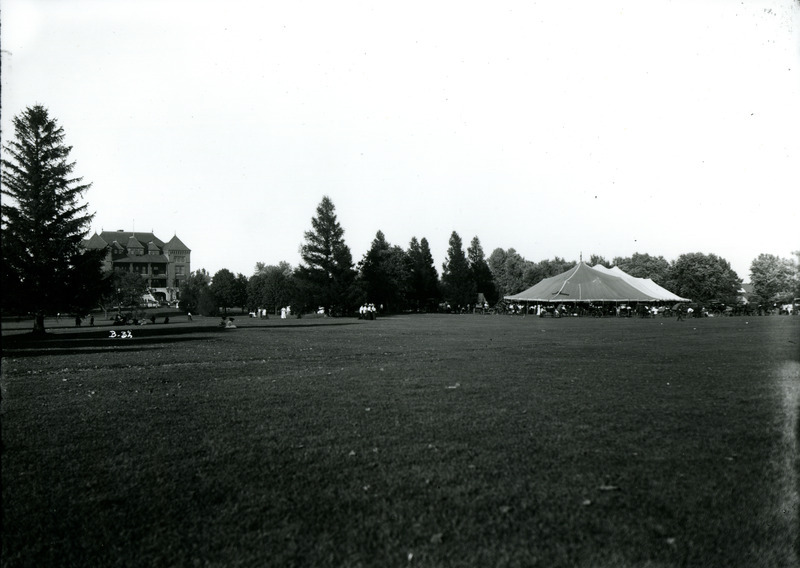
<point>121,319</point>
<point>593,310</point>
<point>367,312</point>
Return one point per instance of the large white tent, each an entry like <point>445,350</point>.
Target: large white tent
<point>584,283</point>
<point>646,285</point>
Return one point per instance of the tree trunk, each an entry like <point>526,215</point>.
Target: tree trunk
<point>38,324</point>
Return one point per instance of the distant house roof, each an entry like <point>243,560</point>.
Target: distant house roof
<point>133,242</point>
<point>124,241</point>
<point>175,244</point>
<point>121,235</point>
<point>95,242</point>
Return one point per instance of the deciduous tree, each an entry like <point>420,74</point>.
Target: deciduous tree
<point>536,272</point>
<point>196,296</point>
<point>272,287</point>
<point>229,291</point>
<point>643,265</point>
<point>508,268</point>
<point>773,278</point>
<point>44,266</point>
<point>703,278</point>
<point>125,290</point>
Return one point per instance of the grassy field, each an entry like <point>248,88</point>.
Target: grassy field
<point>406,441</point>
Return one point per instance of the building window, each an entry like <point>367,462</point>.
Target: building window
<point>180,259</point>
<point>179,271</point>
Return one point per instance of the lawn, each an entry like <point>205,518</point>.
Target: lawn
<point>406,441</point>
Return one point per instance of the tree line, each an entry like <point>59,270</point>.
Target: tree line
<point>45,269</point>
<point>398,279</point>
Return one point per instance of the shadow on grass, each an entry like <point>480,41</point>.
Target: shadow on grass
<point>293,325</point>
<point>101,340</point>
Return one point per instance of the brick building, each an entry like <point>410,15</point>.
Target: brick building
<point>165,265</point>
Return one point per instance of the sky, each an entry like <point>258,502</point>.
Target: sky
<point>554,128</point>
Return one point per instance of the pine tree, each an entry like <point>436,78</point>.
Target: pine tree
<point>481,274</point>
<point>424,280</point>
<point>459,287</point>
<point>45,268</point>
<point>385,274</point>
<point>326,277</point>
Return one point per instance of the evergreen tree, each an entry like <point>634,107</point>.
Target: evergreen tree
<point>44,266</point>
<point>481,273</point>
<point>459,287</point>
<point>385,275</point>
<point>424,280</point>
<point>430,280</point>
<point>326,277</point>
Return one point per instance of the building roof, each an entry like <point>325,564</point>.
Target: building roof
<point>133,242</point>
<point>95,242</point>
<point>121,241</point>
<point>122,236</point>
<point>175,244</point>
